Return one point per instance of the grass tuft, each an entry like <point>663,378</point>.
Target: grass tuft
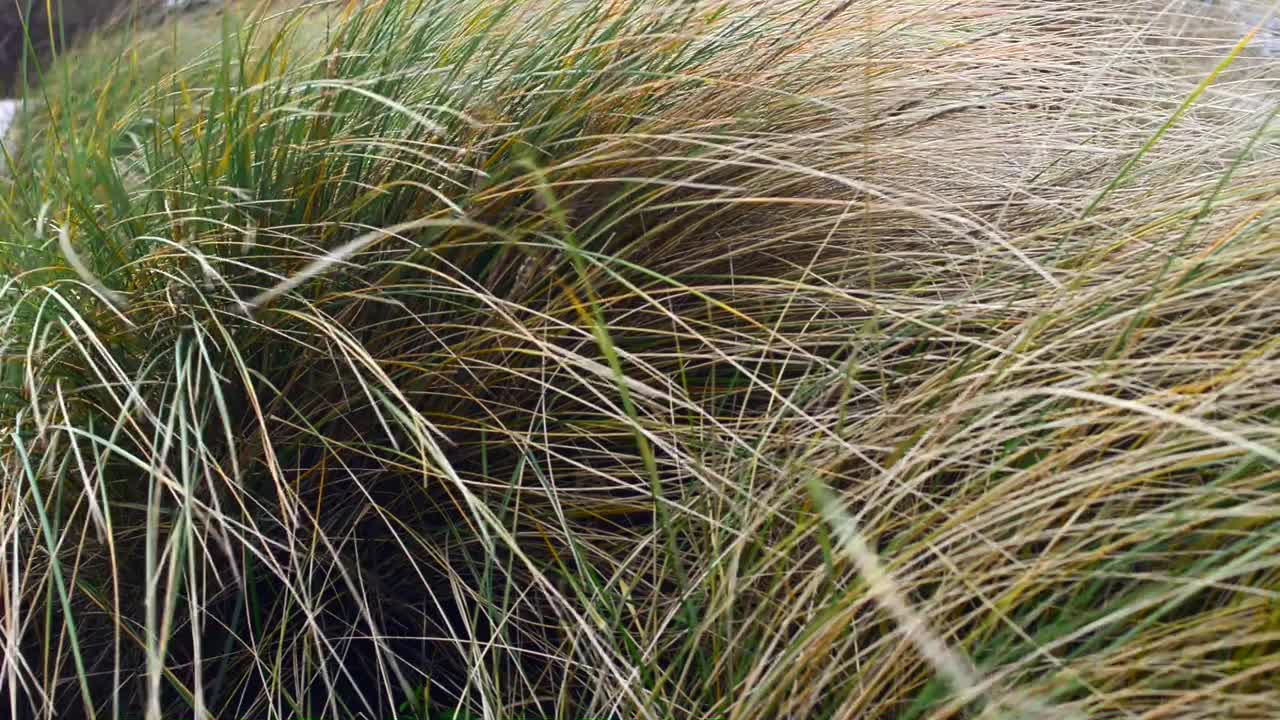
<point>741,359</point>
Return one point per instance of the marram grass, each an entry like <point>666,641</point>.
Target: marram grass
<point>591,359</point>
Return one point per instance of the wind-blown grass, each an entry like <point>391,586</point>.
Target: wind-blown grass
<point>644,360</point>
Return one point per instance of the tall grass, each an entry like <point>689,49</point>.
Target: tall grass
<point>628,359</point>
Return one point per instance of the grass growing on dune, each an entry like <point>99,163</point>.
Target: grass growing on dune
<point>644,360</point>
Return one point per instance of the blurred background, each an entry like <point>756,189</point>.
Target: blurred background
<point>55,23</point>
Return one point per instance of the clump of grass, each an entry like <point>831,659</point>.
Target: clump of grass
<point>619,359</point>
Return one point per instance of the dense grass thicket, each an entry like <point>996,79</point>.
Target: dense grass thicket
<point>572,359</point>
